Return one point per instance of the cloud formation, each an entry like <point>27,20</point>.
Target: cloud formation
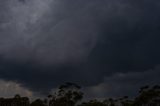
<point>9,89</point>
<point>44,43</point>
<point>122,84</point>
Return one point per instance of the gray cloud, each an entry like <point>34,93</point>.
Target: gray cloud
<point>45,43</point>
<point>9,89</point>
<point>34,30</point>
<point>120,84</point>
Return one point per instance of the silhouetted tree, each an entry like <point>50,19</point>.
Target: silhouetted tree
<point>37,102</point>
<point>148,96</point>
<point>93,103</point>
<point>125,101</point>
<point>68,95</point>
<point>17,96</point>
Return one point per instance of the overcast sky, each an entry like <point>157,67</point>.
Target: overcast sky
<point>109,47</point>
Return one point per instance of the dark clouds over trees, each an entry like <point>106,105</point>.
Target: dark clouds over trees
<point>44,43</point>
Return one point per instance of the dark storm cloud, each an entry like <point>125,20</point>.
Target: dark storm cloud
<point>122,84</point>
<point>47,42</point>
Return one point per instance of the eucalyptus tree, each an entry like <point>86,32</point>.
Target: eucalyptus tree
<point>68,94</point>
<point>148,96</point>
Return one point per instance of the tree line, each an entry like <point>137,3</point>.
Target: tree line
<point>70,94</point>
